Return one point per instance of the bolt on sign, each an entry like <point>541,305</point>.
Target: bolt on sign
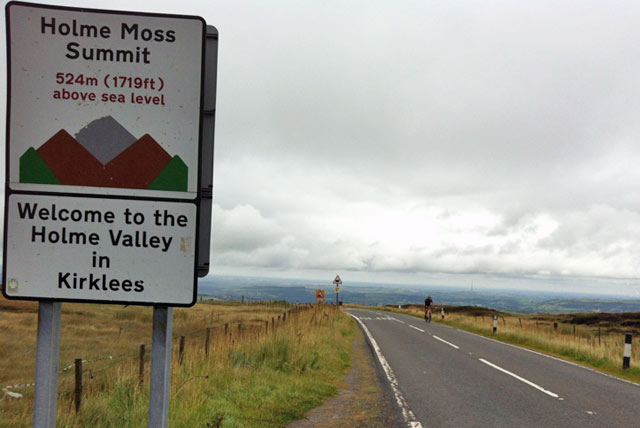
<point>103,155</point>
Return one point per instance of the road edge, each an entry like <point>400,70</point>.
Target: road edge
<point>403,416</point>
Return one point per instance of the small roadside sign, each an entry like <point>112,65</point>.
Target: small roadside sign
<point>320,296</point>
<point>337,281</point>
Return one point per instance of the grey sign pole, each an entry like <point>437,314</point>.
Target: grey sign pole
<point>47,360</point>
<point>160,383</point>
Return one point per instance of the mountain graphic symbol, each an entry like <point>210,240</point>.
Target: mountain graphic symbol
<point>104,154</point>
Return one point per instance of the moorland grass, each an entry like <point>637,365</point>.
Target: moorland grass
<point>260,372</point>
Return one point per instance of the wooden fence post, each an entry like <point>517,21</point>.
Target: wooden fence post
<point>141,369</point>
<point>181,352</point>
<point>78,388</point>
<point>599,343</point>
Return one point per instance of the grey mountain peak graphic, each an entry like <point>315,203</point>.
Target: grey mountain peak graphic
<point>105,138</point>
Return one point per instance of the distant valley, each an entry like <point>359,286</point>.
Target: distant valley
<point>303,291</point>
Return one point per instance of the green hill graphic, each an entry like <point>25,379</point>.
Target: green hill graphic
<point>33,169</point>
<point>174,176</point>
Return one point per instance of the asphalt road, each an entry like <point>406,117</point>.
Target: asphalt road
<point>444,377</point>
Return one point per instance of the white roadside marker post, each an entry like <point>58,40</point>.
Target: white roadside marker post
<point>626,360</point>
<point>495,324</point>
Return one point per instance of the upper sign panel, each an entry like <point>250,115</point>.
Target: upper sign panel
<point>104,103</point>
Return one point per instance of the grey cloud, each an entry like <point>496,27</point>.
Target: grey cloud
<point>242,229</point>
<point>380,137</point>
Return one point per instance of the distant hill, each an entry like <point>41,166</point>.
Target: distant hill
<point>303,291</point>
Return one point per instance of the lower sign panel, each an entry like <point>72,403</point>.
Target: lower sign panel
<point>113,250</point>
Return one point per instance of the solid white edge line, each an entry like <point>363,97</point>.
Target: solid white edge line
<point>407,414</point>
<point>521,379</point>
<point>444,341</point>
<point>571,363</point>
<point>416,328</point>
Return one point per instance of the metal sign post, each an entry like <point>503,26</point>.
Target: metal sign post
<point>160,382</point>
<point>337,282</point>
<point>47,361</point>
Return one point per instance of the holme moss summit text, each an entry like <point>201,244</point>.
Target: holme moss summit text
<point>125,32</point>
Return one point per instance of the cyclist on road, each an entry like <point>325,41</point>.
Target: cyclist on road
<point>428,306</point>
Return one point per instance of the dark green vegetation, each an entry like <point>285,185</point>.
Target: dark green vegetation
<point>622,322</point>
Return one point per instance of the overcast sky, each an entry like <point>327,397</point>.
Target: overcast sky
<point>432,142</point>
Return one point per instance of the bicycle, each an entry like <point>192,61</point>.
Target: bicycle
<point>427,314</point>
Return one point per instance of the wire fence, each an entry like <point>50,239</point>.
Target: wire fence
<point>86,371</point>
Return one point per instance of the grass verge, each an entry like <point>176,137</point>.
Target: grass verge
<point>262,370</point>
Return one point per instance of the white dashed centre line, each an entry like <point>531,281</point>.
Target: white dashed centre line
<point>521,379</point>
<point>444,341</point>
<point>416,328</point>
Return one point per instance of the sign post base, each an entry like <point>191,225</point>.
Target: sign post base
<point>160,383</point>
<point>47,362</point>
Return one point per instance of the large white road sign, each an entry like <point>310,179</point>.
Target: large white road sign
<point>82,249</point>
<point>104,121</point>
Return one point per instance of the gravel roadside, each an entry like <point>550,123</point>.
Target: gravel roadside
<point>363,401</point>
